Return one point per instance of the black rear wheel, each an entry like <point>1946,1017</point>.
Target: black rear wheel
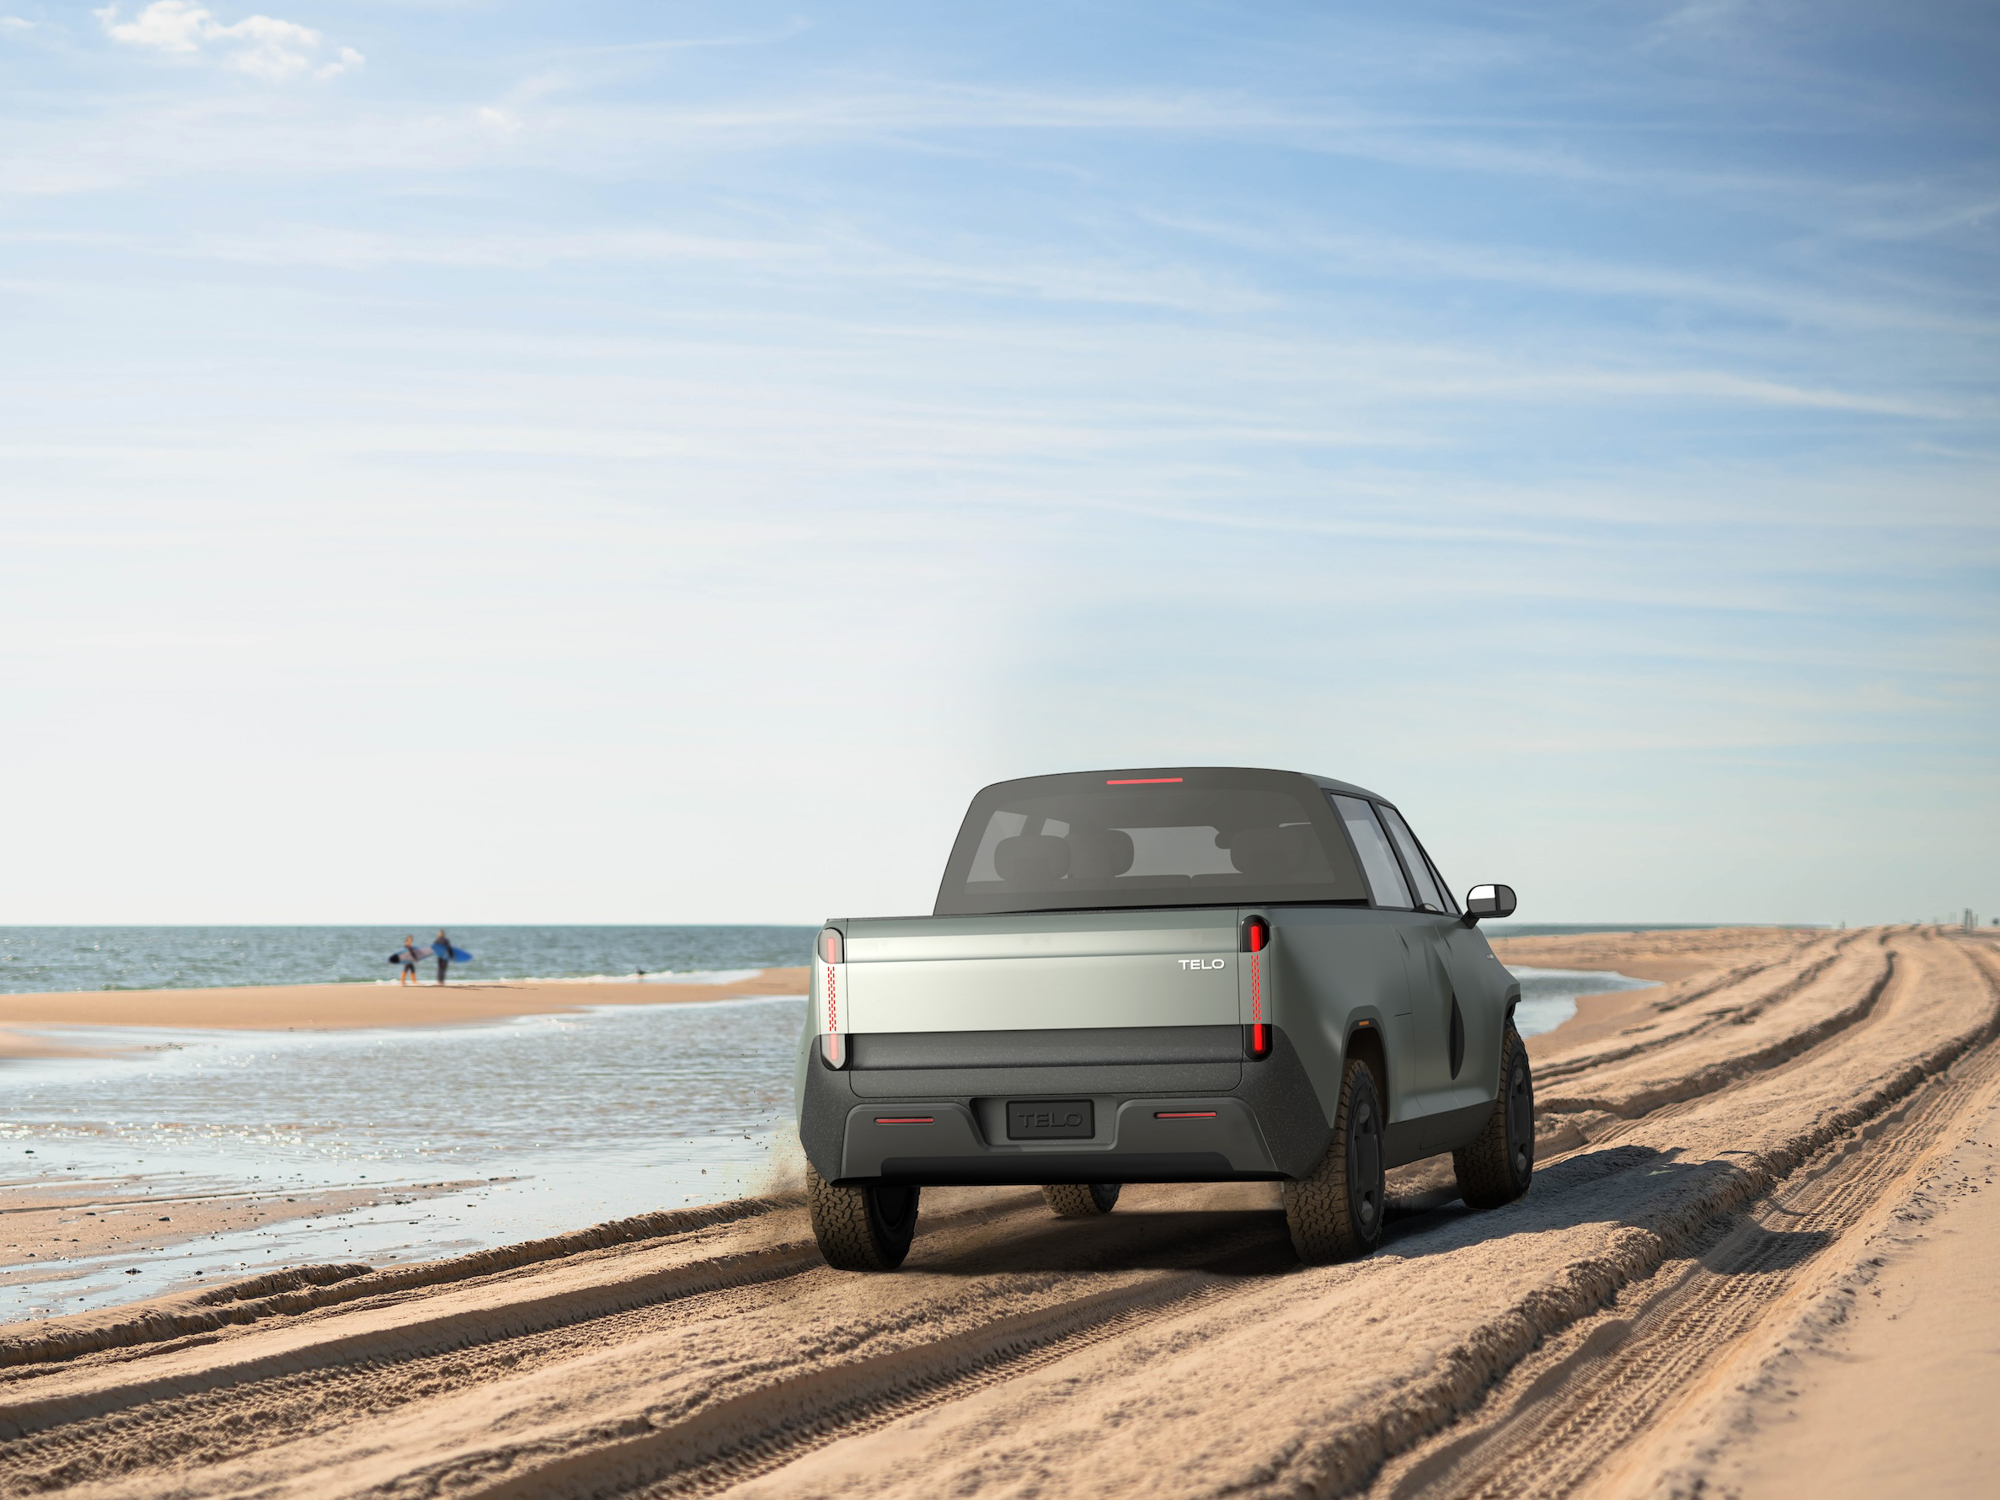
<point>1497,1167</point>
<point>1335,1211</point>
<point>862,1228</point>
<point>1080,1200</point>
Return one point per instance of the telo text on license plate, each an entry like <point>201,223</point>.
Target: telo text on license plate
<point>1050,1120</point>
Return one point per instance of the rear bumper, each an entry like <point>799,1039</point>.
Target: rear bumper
<point>1179,1119</point>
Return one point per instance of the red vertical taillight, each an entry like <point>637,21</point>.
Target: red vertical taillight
<point>1256,938</point>
<point>832,952</point>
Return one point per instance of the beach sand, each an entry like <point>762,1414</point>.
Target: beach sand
<point>46,1226</point>
<point>1664,957</point>
<point>1730,1167</point>
<point>341,1007</point>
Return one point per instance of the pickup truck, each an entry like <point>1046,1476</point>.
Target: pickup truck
<point>1192,974</point>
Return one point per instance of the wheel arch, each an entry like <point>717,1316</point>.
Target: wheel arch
<point>1364,1041</point>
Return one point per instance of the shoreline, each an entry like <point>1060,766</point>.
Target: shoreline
<point>343,1007</point>
<point>366,1005</point>
<point>371,1005</point>
<point>1670,958</point>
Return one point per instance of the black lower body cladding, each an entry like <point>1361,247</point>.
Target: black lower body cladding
<point>1181,1104</point>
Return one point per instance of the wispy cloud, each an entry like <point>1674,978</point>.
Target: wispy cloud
<point>261,46</point>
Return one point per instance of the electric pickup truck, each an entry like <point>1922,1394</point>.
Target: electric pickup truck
<point>1194,974</point>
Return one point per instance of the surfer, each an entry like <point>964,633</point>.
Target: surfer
<point>407,957</point>
<point>441,950</point>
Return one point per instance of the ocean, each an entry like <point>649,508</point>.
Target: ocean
<point>172,958</point>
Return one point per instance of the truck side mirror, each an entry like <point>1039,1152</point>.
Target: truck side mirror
<point>1488,901</point>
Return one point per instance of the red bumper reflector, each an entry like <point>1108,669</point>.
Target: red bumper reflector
<point>912,1120</point>
<point>1184,1114</point>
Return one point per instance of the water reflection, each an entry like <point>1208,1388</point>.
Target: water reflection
<point>558,1121</point>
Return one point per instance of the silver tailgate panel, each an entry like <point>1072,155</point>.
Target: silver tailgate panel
<point>1131,969</point>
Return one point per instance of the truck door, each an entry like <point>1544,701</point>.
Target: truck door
<point>1416,1034</point>
<point>1445,968</point>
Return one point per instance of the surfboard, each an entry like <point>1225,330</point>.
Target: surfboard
<point>397,956</point>
<point>459,955</point>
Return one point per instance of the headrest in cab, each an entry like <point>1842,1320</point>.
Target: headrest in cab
<point>1099,853</point>
<point>1031,859</point>
<point>1270,853</point>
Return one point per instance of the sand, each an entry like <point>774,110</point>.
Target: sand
<point>1665,957</point>
<point>1722,1165</point>
<point>338,1007</point>
<point>44,1224</point>
<point>1888,1385</point>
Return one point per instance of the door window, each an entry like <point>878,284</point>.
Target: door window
<point>1385,880</point>
<point>1429,897</point>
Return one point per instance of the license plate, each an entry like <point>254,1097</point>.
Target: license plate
<point>1050,1120</point>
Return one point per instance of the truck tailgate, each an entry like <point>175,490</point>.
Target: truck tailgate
<point>1041,972</point>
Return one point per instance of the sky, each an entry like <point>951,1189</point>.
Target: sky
<point>480,463</point>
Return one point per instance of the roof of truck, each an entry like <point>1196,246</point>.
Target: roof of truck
<point>1325,781</point>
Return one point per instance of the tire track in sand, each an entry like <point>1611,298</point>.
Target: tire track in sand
<point>241,1409</point>
<point>1551,1425</point>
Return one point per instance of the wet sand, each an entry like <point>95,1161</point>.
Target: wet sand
<point>341,1007</point>
<point>45,1224</point>
<point>1720,1167</point>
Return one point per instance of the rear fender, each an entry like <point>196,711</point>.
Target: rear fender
<point>1365,1042</point>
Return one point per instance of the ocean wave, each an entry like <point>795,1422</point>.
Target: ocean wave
<point>664,976</point>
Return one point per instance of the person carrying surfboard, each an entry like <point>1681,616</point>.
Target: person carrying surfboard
<point>441,951</point>
<point>407,956</point>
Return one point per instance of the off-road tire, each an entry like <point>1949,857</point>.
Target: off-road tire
<point>1080,1200</point>
<point>1497,1167</point>
<point>1335,1211</point>
<point>861,1228</point>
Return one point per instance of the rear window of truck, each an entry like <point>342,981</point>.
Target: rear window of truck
<point>1203,837</point>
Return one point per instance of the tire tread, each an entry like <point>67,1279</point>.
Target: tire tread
<point>842,1226</point>
<point>1080,1200</point>
<point>1485,1173</point>
<point>1318,1208</point>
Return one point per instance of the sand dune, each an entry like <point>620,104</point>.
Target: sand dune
<point>1724,1162</point>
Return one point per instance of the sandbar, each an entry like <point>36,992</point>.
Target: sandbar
<point>342,1007</point>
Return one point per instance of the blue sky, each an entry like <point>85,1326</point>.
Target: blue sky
<point>479,462</point>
